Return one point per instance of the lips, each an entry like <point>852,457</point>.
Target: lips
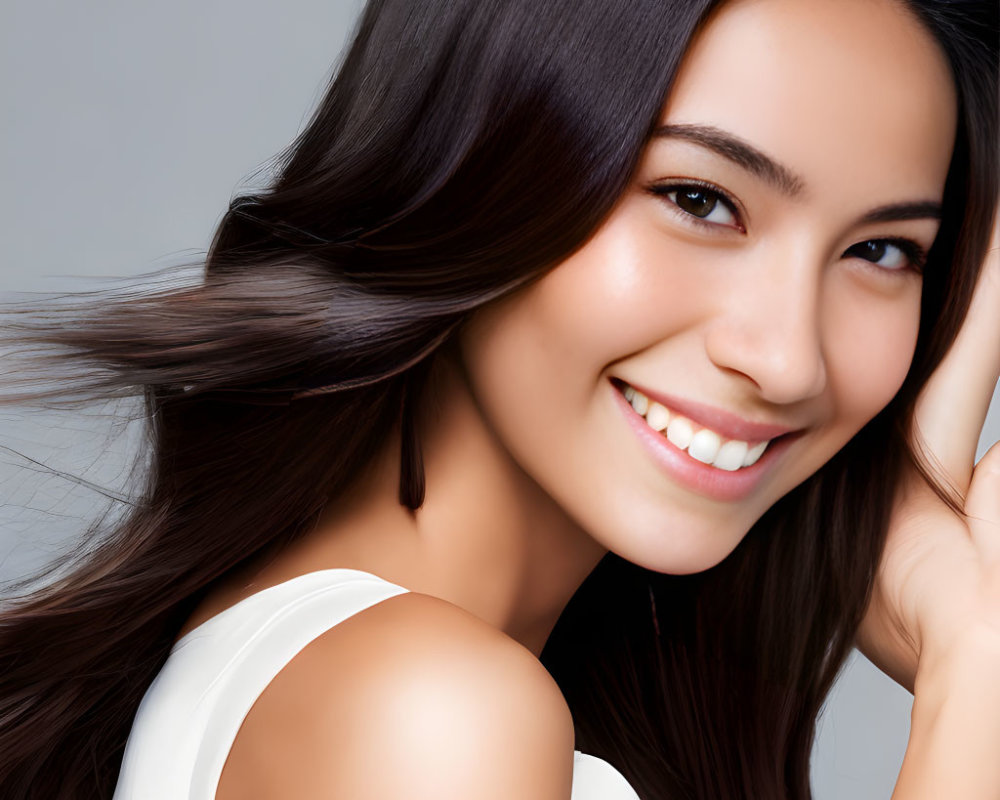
<point>725,423</point>
<point>702,478</point>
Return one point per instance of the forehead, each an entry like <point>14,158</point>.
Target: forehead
<point>841,91</point>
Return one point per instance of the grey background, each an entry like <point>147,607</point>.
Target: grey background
<point>126,128</point>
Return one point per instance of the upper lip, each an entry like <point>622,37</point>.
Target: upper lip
<point>722,422</point>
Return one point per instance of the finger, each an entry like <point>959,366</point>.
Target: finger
<point>952,407</point>
<point>982,505</point>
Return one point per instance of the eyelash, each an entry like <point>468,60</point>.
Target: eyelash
<point>914,252</point>
<point>664,189</point>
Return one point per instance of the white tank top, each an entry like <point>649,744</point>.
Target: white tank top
<point>191,712</point>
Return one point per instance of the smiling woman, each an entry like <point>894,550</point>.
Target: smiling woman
<point>540,431</point>
<point>739,277</point>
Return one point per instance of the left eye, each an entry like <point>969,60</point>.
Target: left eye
<point>884,253</point>
<point>704,204</point>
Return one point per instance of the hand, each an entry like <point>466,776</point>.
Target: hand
<point>937,590</point>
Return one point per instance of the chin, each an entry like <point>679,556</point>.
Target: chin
<point>683,554</point>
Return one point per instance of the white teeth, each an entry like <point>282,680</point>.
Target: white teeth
<point>731,455</point>
<point>702,444</point>
<point>680,432</point>
<point>657,417</point>
<point>705,446</point>
<point>640,403</point>
<point>755,452</point>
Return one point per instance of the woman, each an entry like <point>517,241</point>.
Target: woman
<point>431,368</point>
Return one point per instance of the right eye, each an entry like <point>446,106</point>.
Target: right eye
<point>699,204</point>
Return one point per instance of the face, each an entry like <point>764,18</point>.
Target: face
<point>764,263</point>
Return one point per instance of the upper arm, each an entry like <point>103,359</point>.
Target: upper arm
<point>411,698</point>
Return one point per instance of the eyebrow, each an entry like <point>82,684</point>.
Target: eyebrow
<point>741,153</point>
<point>897,212</point>
<point>745,155</point>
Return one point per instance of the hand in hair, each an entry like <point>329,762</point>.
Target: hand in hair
<point>933,623</point>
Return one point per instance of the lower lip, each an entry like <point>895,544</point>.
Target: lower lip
<point>719,484</point>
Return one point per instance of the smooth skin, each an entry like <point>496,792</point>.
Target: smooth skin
<point>771,302</point>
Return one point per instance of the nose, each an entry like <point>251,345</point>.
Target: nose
<point>769,328</point>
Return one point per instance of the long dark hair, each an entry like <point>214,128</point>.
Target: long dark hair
<point>463,149</point>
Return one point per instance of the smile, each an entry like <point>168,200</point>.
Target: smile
<point>699,442</point>
<point>697,457</point>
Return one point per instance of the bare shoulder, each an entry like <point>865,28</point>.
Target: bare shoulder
<point>413,697</point>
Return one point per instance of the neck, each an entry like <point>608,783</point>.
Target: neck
<point>486,538</point>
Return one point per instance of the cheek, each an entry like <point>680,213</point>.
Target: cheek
<point>624,291</point>
<point>870,349</point>
<point>536,359</point>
